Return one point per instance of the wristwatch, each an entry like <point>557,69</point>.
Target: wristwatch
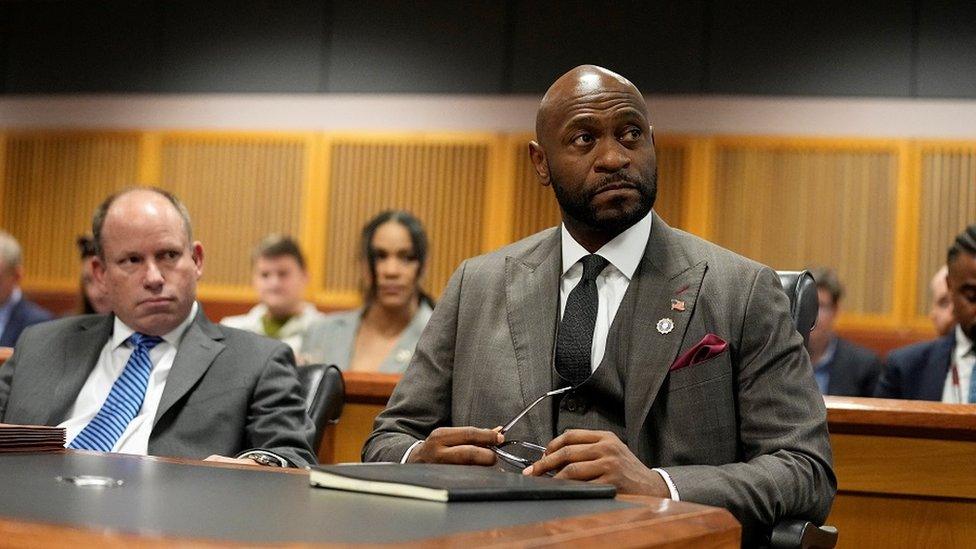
<point>265,460</point>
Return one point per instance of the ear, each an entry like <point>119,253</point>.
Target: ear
<point>98,270</point>
<point>18,274</point>
<point>197,255</point>
<point>538,157</point>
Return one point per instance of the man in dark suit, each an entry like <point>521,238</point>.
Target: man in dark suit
<point>735,421</point>
<point>942,369</point>
<point>839,366</point>
<point>157,377</point>
<point>16,312</point>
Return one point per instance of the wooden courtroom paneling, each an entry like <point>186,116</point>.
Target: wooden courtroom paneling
<point>238,188</point>
<point>52,182</point>
<point>948,204</point>
<point>791,205</point>
<point>441,180</point>
<point>536,207</point>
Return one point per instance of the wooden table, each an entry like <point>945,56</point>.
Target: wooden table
<point>906,472</point>
<point>163,502</point>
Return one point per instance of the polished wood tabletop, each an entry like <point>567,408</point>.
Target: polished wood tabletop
<point>165,502</point>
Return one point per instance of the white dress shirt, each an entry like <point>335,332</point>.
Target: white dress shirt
<point>964,358</point>
<point>624,253</point>
<point>111,362</point>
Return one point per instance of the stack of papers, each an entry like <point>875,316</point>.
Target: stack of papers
<point>30,438</point>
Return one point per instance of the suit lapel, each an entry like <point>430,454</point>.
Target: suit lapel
<point>665,273</point>
<point>81,350</point>
<point>934,375</point>
<point>198,349</point>
<point>532,301</point>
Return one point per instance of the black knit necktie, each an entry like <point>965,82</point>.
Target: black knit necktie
<point>574,343</point>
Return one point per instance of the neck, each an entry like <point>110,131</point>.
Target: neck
<point>590,238</point>
<point>283,314</point>
<point>817,350</point>
<point>390,321</point>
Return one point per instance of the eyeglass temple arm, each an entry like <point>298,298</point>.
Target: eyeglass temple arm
<point>515,420</point>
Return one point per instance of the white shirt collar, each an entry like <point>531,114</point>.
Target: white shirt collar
<point>623,252</point>
<point>964,345</point>
<point>121,332</point>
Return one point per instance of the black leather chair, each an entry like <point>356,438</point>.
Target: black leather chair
<point>804,305</point>
<point>325,394</point>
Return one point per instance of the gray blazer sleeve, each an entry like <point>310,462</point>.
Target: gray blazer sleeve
<point>786,466</point>
<point>421,401</point>
<point>277,420</point>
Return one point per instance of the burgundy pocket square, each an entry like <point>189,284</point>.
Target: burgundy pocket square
<point>710,346</point>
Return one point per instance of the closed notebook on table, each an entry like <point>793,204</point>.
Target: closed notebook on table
<point>450,482</point>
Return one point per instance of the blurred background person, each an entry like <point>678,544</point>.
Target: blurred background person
<point>94,300</point>
<point>941,369</point>
<point>381,336</point>
<point>16,313</point>
<point>280,278</point>
<point>940,313</point>
<point>839,366</point>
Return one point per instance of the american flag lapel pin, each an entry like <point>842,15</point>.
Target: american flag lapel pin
<point>677,305</point>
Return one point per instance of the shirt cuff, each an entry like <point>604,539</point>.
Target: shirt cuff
<point>667,480</point>
<point>406,455</point>
<point>251,453</point>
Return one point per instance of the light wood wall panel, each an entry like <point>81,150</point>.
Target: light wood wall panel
<point>52,183</point>
<point>791,205</point>
<point>536,207</point>
<point>948,205</point>
<point>442,181</point>
<point>238,188</point>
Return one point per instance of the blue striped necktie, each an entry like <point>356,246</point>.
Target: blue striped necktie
<point>124,400</point>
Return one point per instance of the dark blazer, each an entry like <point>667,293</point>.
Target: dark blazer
<point>853,371</point>
<point>229,390</point>
<point>744,430</point>
<point>918,372</point>
<point>24,314</point>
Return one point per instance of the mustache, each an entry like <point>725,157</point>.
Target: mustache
<point>618,181</point>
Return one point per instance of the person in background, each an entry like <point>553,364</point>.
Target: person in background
<point>94,300</point>
<point>280,278</point>
<point>16,312</point>
<point>940,313</point>
<point>381,336</point>
<point>941,369</point>
<point>839,366</point>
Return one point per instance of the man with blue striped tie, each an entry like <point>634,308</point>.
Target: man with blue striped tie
<point>156,377</point>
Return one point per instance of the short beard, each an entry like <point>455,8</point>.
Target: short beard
<point>581,209</point>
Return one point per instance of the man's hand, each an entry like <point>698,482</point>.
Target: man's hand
<point>599,456</point>
<point>224,459</point>
<point>457,445</point>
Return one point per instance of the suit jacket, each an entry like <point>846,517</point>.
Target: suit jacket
<point>25,313</point>
<point>745,430</point>
<point>228,391</point>
<point>854,370</point>
<point>330,340</point>
<point>918,372</point>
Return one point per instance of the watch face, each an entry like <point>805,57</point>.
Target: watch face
<point>267,461</point>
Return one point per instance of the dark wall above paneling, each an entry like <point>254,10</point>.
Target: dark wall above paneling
<point>657,45</point>
<point>901,48</point>
<point>947,48</point>
<point>821,47</point>
<point>442,46</point>
<point>236,46</point>
<point>104,46</point>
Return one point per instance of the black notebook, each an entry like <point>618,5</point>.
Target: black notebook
<point>450,482</point>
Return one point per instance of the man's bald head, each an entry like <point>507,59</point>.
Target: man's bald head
<point>579,82</point>
<point>98,221</point>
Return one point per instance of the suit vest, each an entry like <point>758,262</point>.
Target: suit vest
<point>598,403</point>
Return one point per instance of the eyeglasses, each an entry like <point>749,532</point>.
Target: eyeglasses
<point>518,453</point>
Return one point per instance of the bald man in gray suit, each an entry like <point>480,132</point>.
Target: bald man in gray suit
<point>689,380</point>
